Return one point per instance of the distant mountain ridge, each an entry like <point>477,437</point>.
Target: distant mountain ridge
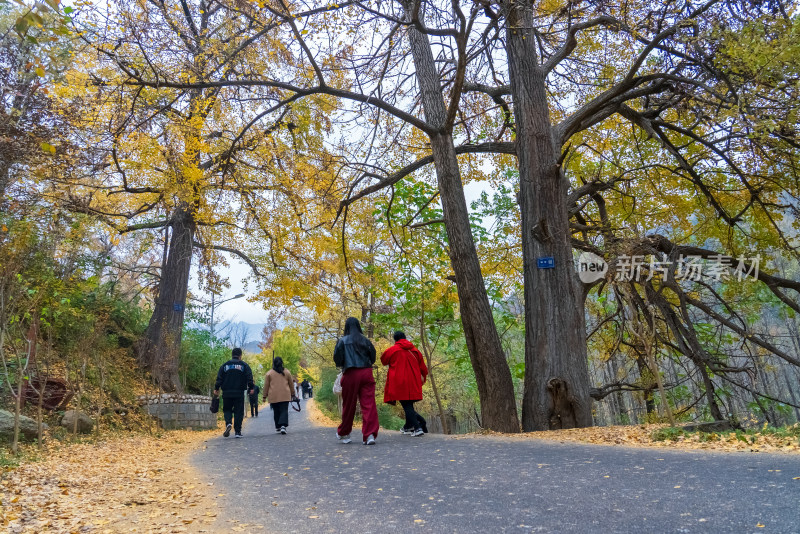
<point>247,335</point>
<point>252,347</point>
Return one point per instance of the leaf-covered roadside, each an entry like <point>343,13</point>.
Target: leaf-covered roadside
<point>662,435</point>
<point>320,418</point>
<point>767,439</point>
<point>127,484</point>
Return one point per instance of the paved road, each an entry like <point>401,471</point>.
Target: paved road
<point>308,482</point>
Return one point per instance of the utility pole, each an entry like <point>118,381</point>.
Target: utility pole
<point>212,321</point>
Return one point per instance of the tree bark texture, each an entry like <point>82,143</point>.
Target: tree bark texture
<point>424,343</point>
<point>556,367</point>
<point>5,180</point>
<point>647,393</point>
<point>159,348</point>
<point>493,377</point>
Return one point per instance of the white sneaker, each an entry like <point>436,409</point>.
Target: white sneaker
<point>407,432</point>
<point>344,439</point>
<point>370,440</point>
<point>283,430</point>
<point>418,432</point>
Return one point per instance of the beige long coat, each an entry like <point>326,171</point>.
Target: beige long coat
<point>278,388</point>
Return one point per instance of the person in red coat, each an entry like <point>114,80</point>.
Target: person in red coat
<point>407,373</point>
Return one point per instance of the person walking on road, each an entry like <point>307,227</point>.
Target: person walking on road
<point>253,398</point>
<point>407,373</point>
<point>306,387</point>
<point>234,377</point>
<point>355,355</point>
<point>278,388</point>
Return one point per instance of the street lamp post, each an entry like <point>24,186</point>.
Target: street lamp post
<point>215,304</point>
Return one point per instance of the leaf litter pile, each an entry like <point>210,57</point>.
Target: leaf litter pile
<point>646,435</point>
<point>128,484</point>
<point>317,417</point>
<point>661,435</point>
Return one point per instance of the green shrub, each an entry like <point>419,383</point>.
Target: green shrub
<point>323,393</point>
<point>667,434</point>
<point>387,415</point>
<point>199,361</point>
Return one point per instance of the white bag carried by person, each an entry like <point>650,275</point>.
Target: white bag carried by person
<point>337,384</point>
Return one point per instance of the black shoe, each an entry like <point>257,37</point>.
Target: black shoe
<point>227,430</point>
<point>238,435</point>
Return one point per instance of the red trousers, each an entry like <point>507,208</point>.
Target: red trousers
<point>358,385</point>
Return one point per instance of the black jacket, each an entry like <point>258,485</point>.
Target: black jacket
<point>233,377</point>
<point>254,395</point>
<point>353,349</point>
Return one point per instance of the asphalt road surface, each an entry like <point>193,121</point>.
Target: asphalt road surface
<point>306,481</point>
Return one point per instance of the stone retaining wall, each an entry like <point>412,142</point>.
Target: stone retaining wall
<point>180,411</point>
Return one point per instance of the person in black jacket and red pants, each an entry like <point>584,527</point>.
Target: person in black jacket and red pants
<point>355,355</point>
<point>234,377</point>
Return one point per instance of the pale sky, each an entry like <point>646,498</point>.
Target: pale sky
<point>236,309</point>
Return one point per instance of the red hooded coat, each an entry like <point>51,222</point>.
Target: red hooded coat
<point>406,372</point>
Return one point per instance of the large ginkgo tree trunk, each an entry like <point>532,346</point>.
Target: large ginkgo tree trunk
<point>557,375</point>
<point>159,348</point>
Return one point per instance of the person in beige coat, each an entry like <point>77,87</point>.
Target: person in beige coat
<point>278,388</point>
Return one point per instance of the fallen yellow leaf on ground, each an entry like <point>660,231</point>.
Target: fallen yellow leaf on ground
<point>642,436</point>
<point>120,485</point>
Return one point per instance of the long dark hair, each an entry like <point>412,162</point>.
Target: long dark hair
<point>352,328</point>
<point>277,365</point>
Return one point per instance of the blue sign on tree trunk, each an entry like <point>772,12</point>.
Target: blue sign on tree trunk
<point>546,262</point>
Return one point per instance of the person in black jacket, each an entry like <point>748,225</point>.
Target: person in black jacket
<point>234,377</point>
<point>305,385</point>
<point>355,354</point>
<point>253,397</point>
